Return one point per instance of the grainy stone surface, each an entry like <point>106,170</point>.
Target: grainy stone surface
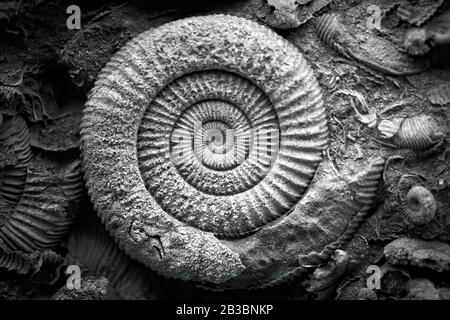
<point>422,289</point>
<point>433,255</point>
<point>92,288</point>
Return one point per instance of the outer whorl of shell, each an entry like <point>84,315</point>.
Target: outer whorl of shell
<point>333,33</point>
<point>374,52</point>
<point>420,205</point>
<point>15,137</point>
<point>41,219</point>
<point>71,181</point>
<point>418,133</point>
<point>94,250</point>
<point>21,263</point>
<point>141,113</point>
<point>419,12</point>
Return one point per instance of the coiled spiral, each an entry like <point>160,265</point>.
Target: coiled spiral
<point>206,125</point>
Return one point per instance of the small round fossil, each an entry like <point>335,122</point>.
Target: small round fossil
<point>420,205</point>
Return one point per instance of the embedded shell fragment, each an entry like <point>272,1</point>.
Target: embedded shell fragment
<point>419,12</point>
<point>433,255</point>
<point>40,221</point>
<point>97,253</point>
<point>228,74</point>
<point>287,14</point>
<point>15,138</point>
<point>374,52</point>
<point>34,200</point>
<point>420,205</point>
<point>415,133</point>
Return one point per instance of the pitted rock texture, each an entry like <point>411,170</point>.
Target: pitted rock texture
<point>91,288</point>
<point>165,213</point>
<point>433,255</point>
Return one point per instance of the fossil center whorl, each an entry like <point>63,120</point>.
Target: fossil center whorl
<point>205,146</point>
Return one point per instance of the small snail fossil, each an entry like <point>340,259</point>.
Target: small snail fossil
<point>420,205</point>
<point>416,133</point>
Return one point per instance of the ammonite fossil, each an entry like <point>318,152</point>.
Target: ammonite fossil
<point>420,205</point>
<point>200,139</point>
<point>373,52</point>
<point>416,133</point>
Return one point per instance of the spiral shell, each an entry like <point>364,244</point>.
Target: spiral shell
<point>420,205</point>
<point>419,12</point>
<point>15,135</point>
<point>374,52</point>
<point>418,133</point>
<point>226,73</point>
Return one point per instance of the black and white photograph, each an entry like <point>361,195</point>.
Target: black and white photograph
<point>231,154</point>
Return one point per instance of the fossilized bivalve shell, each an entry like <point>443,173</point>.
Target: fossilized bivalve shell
<point>374,52</point>
<point>207,211</point>
<point>420,205</point>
